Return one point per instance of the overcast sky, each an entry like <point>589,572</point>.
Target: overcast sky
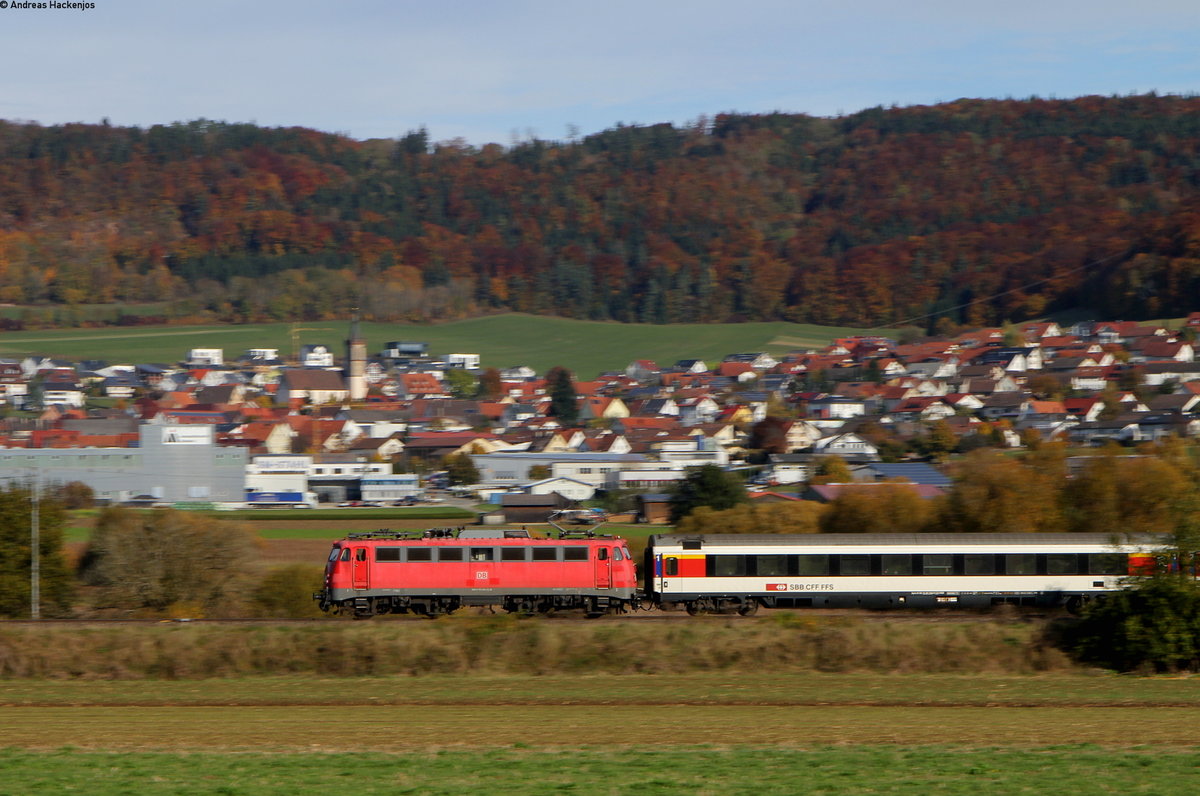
<point>492,70</point>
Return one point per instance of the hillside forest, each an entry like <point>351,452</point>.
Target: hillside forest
<point>970,212</point>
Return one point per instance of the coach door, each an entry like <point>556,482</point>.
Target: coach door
<point>362,563</point>
<point>603,568</point>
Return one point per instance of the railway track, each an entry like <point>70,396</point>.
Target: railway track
<point>765,615</point>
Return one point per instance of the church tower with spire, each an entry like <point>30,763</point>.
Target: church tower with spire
<point>356,363</point>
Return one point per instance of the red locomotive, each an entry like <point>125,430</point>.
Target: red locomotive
<point>437,571</point>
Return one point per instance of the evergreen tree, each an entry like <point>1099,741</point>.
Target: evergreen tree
<point>562,395</point>
<point>710,486</point>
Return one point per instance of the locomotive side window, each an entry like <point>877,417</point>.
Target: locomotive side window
<point>854,564</point>
<point>483,554</point>
<point>1020,564</point>
<point>1108,563</point>
<point>420,554</point>
<point>617,554</point>
<point>387,553</point>
<point>361,554</point>
<point>1061,564</point>
<point>896,564</point>
<point>450,554</point>
<point>345,553</point>
<point>512,553</point>
<point>979,564</point>
<point>938,564</point>
<point>575,554</point>
<point>545,554</point>
<point>602,554</point>
<point>773,566</point>
<point>812,565</point>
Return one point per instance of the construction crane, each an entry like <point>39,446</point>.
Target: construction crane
<point>295,334</point>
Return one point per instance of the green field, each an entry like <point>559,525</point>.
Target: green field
<point>694,770</point>
<point>587,347</point>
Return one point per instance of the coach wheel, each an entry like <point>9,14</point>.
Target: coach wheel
<point>694,608</point>
<point>748,608</point>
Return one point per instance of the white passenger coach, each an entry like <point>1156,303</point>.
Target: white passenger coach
<point>726,573</point>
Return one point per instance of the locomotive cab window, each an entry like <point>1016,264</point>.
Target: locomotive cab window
<point>483,554</point>
<point>602,554</point>
<point>617,554</point>
<point>345,553</point>
<point>361,554</point>
<point>334,553</point>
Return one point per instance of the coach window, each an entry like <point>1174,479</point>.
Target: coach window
<point>450,554</point>
<point>854,565</point>
<point>512,554</point>
<point>672,567</point>
<point>545,554</point>
<point>420,554</point>
<point>1020,564</point>
<point>387,553</point>
<point>483,554</point>
<point>575,554</point>
<point>896,564</point>
<point>728,566</point>
<point>1061,564</point>
<point>773,566</point>
<point>938,564</point>
<point>812,565</point>
<point>1108,564</point>
<point>979,564</point>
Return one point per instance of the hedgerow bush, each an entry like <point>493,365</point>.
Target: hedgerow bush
<point>1152,627</point>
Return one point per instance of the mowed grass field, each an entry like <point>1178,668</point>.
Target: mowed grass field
<point>586,347</point>
<point>690,733</point>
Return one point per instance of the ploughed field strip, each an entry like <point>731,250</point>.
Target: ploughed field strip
<point>572,726</point>
<point>812,689</point>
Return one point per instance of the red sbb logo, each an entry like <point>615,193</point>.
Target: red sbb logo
<point>776,587</point>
